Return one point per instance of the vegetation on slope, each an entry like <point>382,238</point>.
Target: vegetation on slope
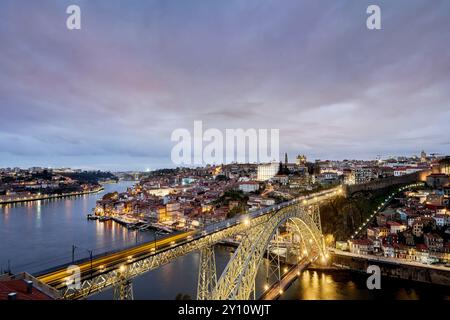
<point>342,216</point>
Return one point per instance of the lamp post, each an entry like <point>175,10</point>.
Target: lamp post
<point>90,255</point>
<point>154,238</point>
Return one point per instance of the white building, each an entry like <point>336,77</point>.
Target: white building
<point>388,251</point>
<point>360,246</point>
<point>360,175</point>
<point>267,171</point>
<point>441,220</point>
<point>396,227</point>
<point>267,202</point>
<point>249,186</point>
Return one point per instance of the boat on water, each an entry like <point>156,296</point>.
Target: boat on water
<point>91,216</point>
<point>144,227</point>
<point>104,218</point>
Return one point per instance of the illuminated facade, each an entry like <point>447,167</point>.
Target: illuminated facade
<point>267,171</point>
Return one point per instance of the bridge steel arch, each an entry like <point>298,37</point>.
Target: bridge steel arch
<point>237,281</point>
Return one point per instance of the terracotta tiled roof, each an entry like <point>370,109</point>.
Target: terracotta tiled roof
<point>20,288</point>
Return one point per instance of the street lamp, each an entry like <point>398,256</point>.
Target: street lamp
<point>89,251</point>
<point>154,239</point>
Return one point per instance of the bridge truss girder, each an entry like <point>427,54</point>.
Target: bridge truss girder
<point>109,278</point>
<point>123,288</point>
<point>207,275</point>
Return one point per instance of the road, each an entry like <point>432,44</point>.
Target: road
<point>57,278</point>
<point>277,289</point>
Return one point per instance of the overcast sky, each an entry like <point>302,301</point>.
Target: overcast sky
<point>109,95</point>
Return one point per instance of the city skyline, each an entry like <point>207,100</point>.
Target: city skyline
<point>109,95</point>
<point>193,166</point>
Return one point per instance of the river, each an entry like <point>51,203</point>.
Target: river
<point>38,235</point>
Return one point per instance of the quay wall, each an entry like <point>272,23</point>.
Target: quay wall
<point>47,197</point>
<point>393,270</point>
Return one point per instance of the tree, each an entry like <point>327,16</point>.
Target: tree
<point>181,296</point>
<point>222,177</point>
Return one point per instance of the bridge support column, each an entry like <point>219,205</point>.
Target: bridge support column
<point>314,211</point>
<point>123,290</point>
<point>273,265</point>
<point>207,277</point>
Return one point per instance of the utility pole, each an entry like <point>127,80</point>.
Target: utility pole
<point>90,257</point>
<point>73,254</point>
<point>157,233</point>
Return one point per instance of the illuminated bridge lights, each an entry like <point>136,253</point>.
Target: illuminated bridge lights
<point>119,264</point>
<point>383,204</point>
<point>246,221</point>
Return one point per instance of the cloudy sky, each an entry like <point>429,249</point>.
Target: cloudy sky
<point>109,95</point>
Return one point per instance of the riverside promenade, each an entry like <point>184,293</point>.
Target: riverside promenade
<point>49,196</point>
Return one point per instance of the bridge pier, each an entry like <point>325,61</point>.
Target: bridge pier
<point>123,290</point>
<point>207,277</point>
<point>273,266</point>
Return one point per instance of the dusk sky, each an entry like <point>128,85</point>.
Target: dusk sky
<point>108,96</point>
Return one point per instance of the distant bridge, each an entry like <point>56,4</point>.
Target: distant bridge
<point>237,280</point>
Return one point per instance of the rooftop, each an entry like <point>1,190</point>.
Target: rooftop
<point>19,286</point>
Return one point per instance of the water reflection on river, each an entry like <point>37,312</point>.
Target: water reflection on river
<point>343,285</point>
<point>38,235</point>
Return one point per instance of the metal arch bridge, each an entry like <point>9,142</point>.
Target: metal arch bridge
<point>84,278</point>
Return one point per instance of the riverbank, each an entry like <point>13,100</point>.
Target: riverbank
<point>397,269</point>
<point>49,196</point>
<point>131,223</point>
